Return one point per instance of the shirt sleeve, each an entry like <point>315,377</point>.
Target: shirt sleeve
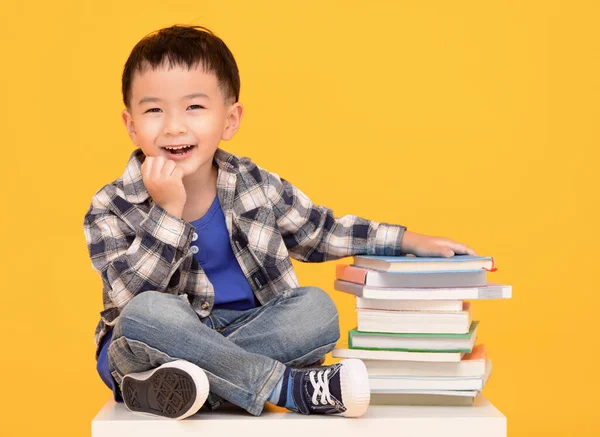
<point>131,261</point>
<point>312,233</point>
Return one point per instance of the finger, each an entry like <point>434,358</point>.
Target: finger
<point>447,252</point>
<point>157,166</point>
<point>462,249</point>
<point>168,168</point>
<point>147,167</point>
<point>178,172</point>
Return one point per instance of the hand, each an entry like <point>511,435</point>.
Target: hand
<point>163,179</point>
<point>425,245</point>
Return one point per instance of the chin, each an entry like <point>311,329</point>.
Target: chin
<point>189,168</point>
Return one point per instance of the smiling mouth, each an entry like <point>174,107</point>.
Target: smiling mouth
<point>179,150</point>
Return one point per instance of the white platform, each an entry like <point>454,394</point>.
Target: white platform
<point>482,419</point>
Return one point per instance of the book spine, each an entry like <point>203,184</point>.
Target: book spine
<point>349,273</point>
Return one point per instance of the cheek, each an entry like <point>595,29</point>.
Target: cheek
<point>207,127</point>
<point>148,128</point>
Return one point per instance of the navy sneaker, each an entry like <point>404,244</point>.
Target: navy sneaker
<point>340,389</point>
<point>174,390</point>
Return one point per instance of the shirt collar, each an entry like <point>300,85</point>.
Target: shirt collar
<point>133,186</point>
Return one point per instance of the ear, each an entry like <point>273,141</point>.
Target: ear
<point>128,122</point>
<point>234,118</point>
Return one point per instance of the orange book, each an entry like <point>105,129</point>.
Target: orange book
<point>346,272</point>
<point>477,354</point>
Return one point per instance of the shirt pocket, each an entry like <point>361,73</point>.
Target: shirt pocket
<point>258,232</point>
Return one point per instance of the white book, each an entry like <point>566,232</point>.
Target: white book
<point>365,354</point>
<point>426,322</point>
<point>387,384</point>
<point>489,291</point>
<point>409,305</point>
<point>442,278</point>
<point>472,364</point>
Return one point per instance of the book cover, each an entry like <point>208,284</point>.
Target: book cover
<point>360,275</point>
<point>414,342</point>
<point>411,263</point>
<point>364,354</point>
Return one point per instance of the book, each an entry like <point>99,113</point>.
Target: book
<point>409,305</point>
<point>414,342</point>
<point>411,263</point>
<point>488,291</point>
<point>367,354</point>
<point>386,384</point>
<point>376,278</point>
<point>427,322</point>
<point>426,398</point>
<point>472,364</point>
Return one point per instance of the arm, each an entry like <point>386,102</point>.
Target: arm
<point>312,233</point>
<point>129,261</point>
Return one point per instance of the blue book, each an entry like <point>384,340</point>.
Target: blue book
<point>423,264</point>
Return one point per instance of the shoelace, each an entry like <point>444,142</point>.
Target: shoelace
<point>321,386</point>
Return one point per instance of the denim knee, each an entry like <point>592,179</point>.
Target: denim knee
<point>150,310</point>
<point>323,313</point>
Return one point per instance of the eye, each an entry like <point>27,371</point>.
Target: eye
<point>152,109</point>
<point>197,106</point>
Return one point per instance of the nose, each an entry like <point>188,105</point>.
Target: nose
<point>174,125</point>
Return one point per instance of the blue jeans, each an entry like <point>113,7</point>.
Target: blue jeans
<point>244,353</point>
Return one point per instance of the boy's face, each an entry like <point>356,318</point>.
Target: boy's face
<point>173,107</point>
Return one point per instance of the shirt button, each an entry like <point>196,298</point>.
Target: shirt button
<point>194,250</point>
<point>194,237</point>
<point>205,305</point>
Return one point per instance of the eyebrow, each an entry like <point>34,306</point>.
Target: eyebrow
<point>156,99</point>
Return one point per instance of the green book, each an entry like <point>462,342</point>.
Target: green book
<point>408,342</point>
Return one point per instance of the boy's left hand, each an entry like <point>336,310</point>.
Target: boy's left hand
<point>426,245</point>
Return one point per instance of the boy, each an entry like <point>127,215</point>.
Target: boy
<point>193,244</point>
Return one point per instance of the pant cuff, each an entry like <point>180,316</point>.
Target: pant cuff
<point>263,395</point>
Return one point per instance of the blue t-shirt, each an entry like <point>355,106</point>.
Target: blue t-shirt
<point>212,250</point>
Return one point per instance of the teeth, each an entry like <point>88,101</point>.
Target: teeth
<point>178,148</point>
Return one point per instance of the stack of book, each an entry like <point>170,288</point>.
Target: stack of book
<point>415,331</point>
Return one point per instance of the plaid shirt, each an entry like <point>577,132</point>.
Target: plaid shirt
<point>135,245</point>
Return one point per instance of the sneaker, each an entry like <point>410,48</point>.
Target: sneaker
<point>316,363</point>
<point>174,390</point>
<point>340,389</point>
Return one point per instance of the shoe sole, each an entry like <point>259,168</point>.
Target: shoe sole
<point>174,390</point>
<point>356,392</point>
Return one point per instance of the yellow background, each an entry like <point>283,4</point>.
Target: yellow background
<point>473,120</point>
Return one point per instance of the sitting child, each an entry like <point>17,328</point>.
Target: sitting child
<point>193,245</point>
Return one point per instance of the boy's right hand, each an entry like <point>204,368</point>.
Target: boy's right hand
<point>163,179</point>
